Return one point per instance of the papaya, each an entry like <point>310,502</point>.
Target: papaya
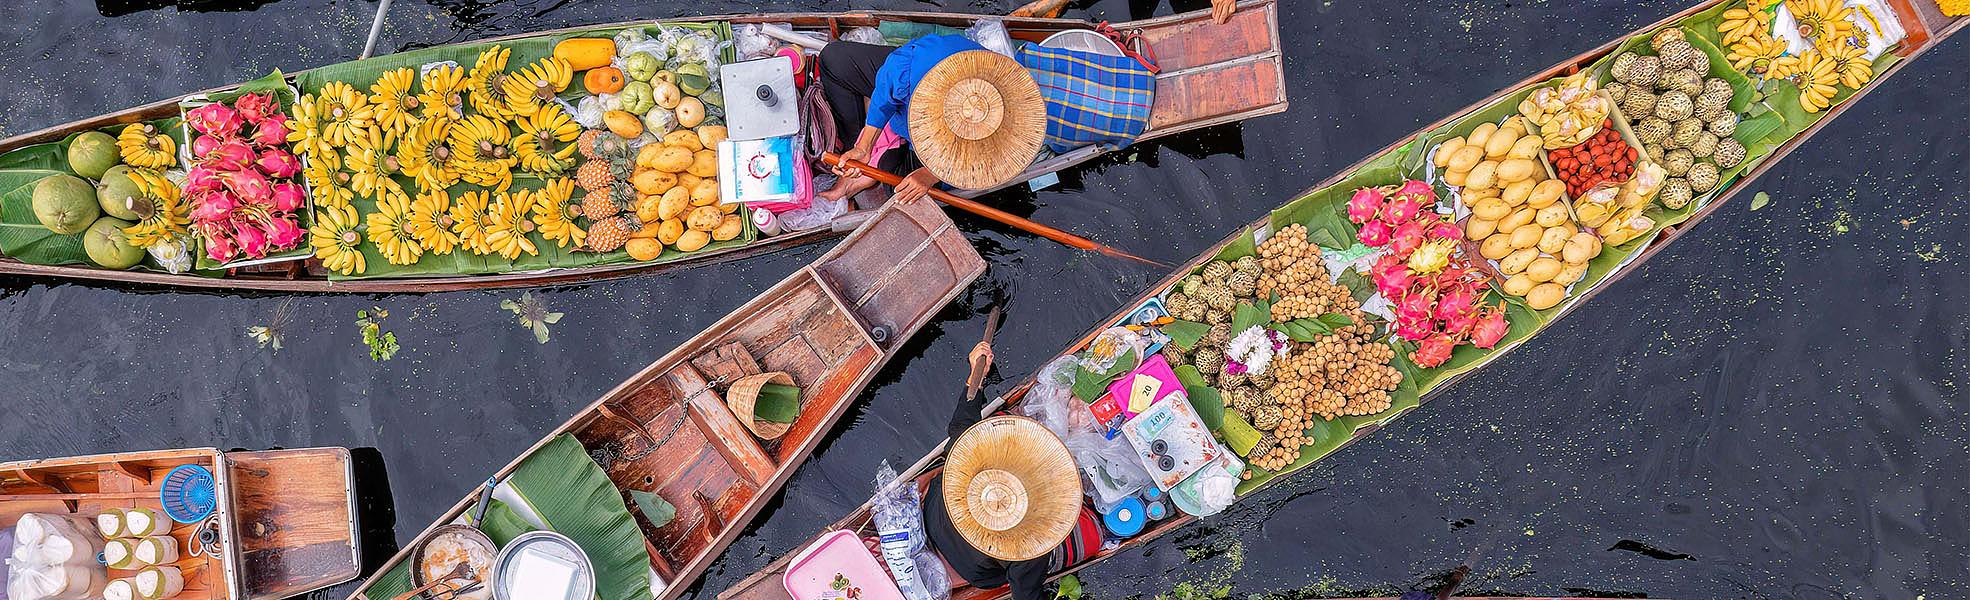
<point>586,53</point>
<point>603,80</point>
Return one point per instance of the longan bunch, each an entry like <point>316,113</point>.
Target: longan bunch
<point>1338,375</point>
<point>1294,271</point>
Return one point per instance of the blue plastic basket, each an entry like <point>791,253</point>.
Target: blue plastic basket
<point>190,493</point>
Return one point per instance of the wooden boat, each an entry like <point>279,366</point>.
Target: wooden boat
<point>1212,74</point>
<point>285,519</point>
<point>831,326</point>
<point>1926,28</point>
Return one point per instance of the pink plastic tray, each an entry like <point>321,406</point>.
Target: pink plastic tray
<point>839,554</point>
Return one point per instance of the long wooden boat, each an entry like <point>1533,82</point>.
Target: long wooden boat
<point>1926,28</point>
<point>831,326</point>
<point>284,519</point>
<point>1211,74</point>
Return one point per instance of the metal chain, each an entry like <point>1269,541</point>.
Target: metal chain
<point>611,452</point>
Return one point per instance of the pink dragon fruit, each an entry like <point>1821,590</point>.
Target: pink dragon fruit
<point>252,241</point>
<point>1414,329</point>
<point>289,197</point>
<point>1402,209</point>
<point>1446,230</point>
<point>1375,234</point>
<point>1408,236</point>
<point>1365,203</point>
<point>201,179</point>
<point>257,107</point>
<point>1393,281</point>
<point>214,206</point>
<point>230,155</point>
<point>277,163</point>
<point>215,119</point>
<point>250,186</point>
<point>284,233</point>
<point>1434,351</point>
<point>1491,327</point>
<point>1417,306</point>
<point>271,131</point>
<point>218,246</point>
<point>1422,192</point>
<point>1457,310</point>
<point>203,145</point>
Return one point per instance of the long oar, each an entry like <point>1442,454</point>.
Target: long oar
<point>980,209</point>
<point>978,371</point>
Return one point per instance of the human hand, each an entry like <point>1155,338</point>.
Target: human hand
<point>843,167</point>
<point>1221,10</point>
<point>916,186</point>
<point>981,351</point>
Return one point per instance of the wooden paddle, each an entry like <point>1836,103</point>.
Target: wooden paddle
<point>980,209</point>
<point>978,371</point>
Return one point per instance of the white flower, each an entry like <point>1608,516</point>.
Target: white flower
<point>1252,348</point>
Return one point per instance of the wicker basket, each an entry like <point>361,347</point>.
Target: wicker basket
<point>744,393</point>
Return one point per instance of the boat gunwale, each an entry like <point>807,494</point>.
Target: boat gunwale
<point>855,520</point>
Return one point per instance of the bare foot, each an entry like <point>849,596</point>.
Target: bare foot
<point>1045,9</point>
<point>847,187</point>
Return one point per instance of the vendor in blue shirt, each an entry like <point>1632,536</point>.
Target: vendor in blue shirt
<point>869,88</point>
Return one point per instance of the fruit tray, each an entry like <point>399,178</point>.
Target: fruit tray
<point>285,94</point>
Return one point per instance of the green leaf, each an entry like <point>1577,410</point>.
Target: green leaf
<point>1070,589</point>
<point>1239,435</point>
<point>1185,334</point>
<point>1335,320</point>
<point>575,498</point>
<point>540,332</point>
<point>1247,316</point>
<point>502,524</point>
<point>1302,330</point>
<point>777,403</point>
<point>1760,200</point>
<point>1089,386</point>
<point>1204,399</point>
<point>1358,285</point>
<point>660,512</point>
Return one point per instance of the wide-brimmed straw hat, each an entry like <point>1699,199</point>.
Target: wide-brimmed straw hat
<point>977,119</point>
<point>1011,488</point>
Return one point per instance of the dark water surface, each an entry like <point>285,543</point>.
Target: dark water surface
<point>1767,410</point>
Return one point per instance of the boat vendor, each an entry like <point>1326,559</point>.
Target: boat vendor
<point>975,118</point>
<point>1007,508</point>
<point>1221,10</point>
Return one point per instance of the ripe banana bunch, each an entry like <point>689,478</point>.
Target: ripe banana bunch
<point>430,222</point>
<point>1755,54</point>
<point>1740,23</point>
<point>1816,77</point>
<point>552,214</point>
<point>334,239</point>
<point>468,221</point>
<point>388,229</point>
<point>142,145</point>
<point>543,144</point>
<point>483,157</point>
<point>1850,62</point>
<point>507,232</point>
<point>536,85</point>
<point>487,82</point>
<point>162,213</point>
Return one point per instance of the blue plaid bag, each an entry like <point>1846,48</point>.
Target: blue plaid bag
<point>1091,98</point>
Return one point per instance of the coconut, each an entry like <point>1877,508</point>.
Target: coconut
<point>157,583</point>
<point>65,204</point>
<point>91,154</point>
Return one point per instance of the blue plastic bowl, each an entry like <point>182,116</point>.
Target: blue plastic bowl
<point>189,494</point>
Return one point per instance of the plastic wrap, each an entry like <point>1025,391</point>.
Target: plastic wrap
<point>819,214</point>
<point>863,35</point>
<point>991,33</point>
<point>1052,403</point>
<point>589,111</point>
<point>897,511</point>
<point>1110,467</point>
<point>750,41</point>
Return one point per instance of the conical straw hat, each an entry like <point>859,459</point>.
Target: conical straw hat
<point>977,119</point>
<point>1011,488</point>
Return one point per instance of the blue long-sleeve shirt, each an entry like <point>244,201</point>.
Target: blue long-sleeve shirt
<point>897,79</point>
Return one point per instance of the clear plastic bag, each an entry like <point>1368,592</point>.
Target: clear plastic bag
<point>863,35</point>
<point>750,41</point>
<point>1052,402</point>
<point>588,113</point>
<point>991,33</point>
<point>820,214</point>
<point>898,516</point>
<point>689,46</point>
<point>1111,468</point>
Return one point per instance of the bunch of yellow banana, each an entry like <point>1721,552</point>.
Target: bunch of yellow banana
<point>444,92</point>
<point>389,229</point>
<point>1852,65</point>
<point>304,132</point>
<point>554,216</point>
<point>333,195</point>
<point>394,102</point>
<point>468,221</point>
<point>344,113</point>
<point>487,83</point>
<point>372,165</point>
<point>1816,78</point>
<point>536,85</point>
<point>430,222</point>
<point>543,143</point>
<point>1755,54</point>
<point>507,230</point>
<point>1740,23</point>
<point>334,239</point>
<point>426,154</point>
<point>161,211</point>
<point>1825,23</point>
<point>482,155</point>
<point>143,145</point>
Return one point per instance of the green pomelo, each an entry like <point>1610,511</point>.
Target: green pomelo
<point>107,246</point>
<point>117,191</point>
<point>92,154</point>
<point>65,204</point>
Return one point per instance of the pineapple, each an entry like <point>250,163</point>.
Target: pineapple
<point>598,205</point>
<point>593,175</point>
<point>586,143</point>
<point>608,235</point>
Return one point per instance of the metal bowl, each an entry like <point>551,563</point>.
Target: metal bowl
<point>549,548</point>
<point>470,535</point>
<point>1085,40</point>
